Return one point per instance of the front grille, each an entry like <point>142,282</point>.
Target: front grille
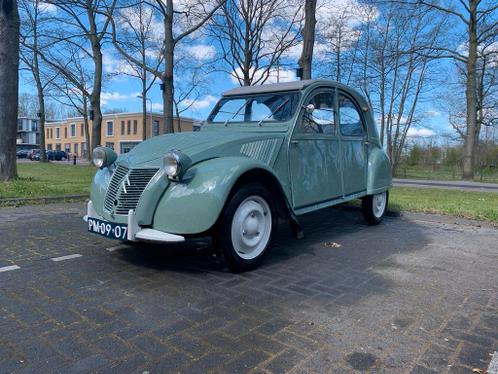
<point>126,187</point>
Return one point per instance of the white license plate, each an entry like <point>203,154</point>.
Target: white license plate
<point>108,229</point>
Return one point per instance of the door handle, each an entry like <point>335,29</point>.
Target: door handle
<point>294,141</point>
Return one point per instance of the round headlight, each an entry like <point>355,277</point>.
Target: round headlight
<point>99,157</point>
<point>171,163</point>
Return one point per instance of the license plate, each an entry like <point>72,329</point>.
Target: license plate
<point>108,229</point>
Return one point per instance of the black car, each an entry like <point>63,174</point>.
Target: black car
<point>22,153</point>
<point>56,155</point>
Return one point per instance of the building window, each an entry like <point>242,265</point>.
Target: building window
<point>110,129</point>
<point>76,149</point>
<point>73,130</point>
<point>135,126</point>
<point>128,127</point>
<point>34,125</point>
<point>48,134</point>
<point>109,145</point>
<point>65,132</point>
<point>67,147</point>
<point>83,149</point>
<point>58,147</point>
<point>58,134</point>
<point>51,133</point>
<point>155,128</point>
<point>19,124</point>
<point>49,147</point>
<point>82,129</point>
<point>126,147</point>
<point>122,127</point>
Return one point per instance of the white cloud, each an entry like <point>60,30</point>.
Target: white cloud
<point>432,113</point>
<point>276,75</point>
<point>47,7</point>
<point>420,133</point>
<point>201,51</point>
<point>157,106</point>
<point>106,97</point>
<point>201,103</point>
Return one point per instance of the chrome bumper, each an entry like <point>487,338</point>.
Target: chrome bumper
<point>135,232</point>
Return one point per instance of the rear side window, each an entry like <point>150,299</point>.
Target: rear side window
<point>349,117</point>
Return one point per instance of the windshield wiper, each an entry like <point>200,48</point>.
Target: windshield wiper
<point>235,114</point>
<point>260,123</point>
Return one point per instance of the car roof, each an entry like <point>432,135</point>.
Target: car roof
<point>286,86</point>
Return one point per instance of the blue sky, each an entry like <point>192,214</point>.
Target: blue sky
<point>121,91</point>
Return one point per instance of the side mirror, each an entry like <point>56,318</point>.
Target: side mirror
<point>309,108</point>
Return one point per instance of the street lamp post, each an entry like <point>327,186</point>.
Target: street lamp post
<point>150,101</point>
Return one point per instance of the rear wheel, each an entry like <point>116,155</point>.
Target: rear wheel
<point>374,207</point>
<point>246,228</point>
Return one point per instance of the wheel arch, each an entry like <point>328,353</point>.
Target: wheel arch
<point>268,180</point>
<point>198,202</point>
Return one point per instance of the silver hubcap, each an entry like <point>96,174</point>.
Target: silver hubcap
<point>251,227</point>
<point>379,204</point>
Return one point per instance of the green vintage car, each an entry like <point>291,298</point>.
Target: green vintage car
<point>265,152</point>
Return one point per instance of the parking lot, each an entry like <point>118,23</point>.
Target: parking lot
<point>417,294</point>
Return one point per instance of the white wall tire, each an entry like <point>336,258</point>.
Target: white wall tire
<point>374,207</point>
<point>246,227</point>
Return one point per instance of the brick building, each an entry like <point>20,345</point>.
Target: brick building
<point>120,131</point>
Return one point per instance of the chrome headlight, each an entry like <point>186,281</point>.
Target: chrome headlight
<point>175,163</point>
<point>103,157</point>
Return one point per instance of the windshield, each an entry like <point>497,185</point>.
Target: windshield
<point>273,107</point>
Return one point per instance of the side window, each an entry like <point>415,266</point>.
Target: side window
<point>322,119</point>
<point>350,118</point>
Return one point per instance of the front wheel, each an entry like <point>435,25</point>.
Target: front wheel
<point>374,207</point>
<point>246,228</point>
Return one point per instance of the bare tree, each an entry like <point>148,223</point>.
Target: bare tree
<point>138,37</point>
<point>75,96</point>
<point>306,59</point>
<point>9,64</point>
<point>479,18</point>
<point>85,24</point>
<point>190,17</point>
<point>393,79</point>
<point>253,36</point>
<point>34,17</point>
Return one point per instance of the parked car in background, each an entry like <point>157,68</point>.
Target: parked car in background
<point>22,153</point>
<point>56,155</point>
<point>265,152</point>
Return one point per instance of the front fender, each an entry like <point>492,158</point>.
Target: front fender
<point>194,204</point>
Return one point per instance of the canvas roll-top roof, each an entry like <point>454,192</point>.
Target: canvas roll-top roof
<point>274,87</point>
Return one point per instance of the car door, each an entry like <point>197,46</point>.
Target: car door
<point>314,152</point>
<point>354,154</point>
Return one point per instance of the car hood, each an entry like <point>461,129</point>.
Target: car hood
<point>203,145</point>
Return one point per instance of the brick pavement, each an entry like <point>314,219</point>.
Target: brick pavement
<point>417,294</point>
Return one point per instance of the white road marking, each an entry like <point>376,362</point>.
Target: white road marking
<point>115,248</point>
<point>68,257</point>
<point>493,365</point>
<point>9,268</point>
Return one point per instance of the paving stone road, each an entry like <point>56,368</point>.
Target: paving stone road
<point>417,294</point>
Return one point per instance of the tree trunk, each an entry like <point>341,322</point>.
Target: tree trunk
<point>87,127</point>
<point>144,112</point>
<point>9,66</point>
<point>471,96</point>
<point>167,78</point>
<point>306,59</point>
<point>41,107</point>
<point>96,122</point>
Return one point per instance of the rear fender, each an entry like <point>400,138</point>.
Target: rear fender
<point>379,171</point>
